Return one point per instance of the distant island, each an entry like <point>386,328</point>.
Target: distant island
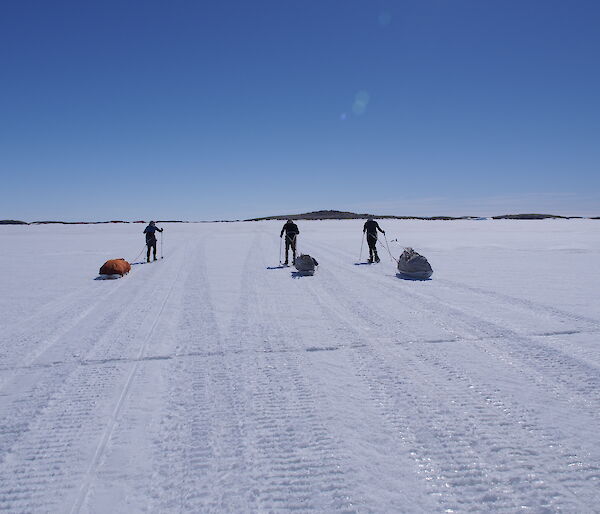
<point>343,215</point>
<point>533,217</point>
<point>19,222</point>
<point>320,215</point>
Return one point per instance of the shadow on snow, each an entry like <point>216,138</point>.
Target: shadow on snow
<point>408,277</point>
<point>300,274</point>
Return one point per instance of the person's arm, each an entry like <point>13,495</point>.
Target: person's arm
<point>282,231</point>
<point>160,229</point>
<point>145,230</point>
<point>380,229</point>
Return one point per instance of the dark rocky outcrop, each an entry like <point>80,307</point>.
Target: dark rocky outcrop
<point>317,215</point>
<point>529,217</point>
<point>344,215</point>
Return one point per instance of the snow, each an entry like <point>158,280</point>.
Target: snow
<point>216,381</point>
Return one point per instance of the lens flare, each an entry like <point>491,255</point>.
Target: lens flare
<point>361,100</point>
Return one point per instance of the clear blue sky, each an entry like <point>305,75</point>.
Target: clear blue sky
<point>232,109</point>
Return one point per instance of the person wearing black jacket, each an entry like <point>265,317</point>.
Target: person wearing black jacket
<point>150,232</point>
<point>291,231</point>
<point>371,227</point>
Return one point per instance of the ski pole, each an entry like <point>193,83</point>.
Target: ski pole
<point>280,243</point>
<point>161,245</point>
<point>362,241</point>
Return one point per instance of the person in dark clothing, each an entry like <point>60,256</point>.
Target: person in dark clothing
<point>291,231</point>
<point>150,232</point>
<point>370,228</point>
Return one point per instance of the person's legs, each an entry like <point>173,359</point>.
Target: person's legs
<point>372,241</point>
<point>294,249</point>
<point>287,248</point>
<point>151,244</point>
<point>375,256</point>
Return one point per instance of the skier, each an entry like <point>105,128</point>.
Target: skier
<point>291,231</point>
<point>371,227</point>
<point>151,239</point>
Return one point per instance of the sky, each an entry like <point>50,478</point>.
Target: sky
<point>202,110</point>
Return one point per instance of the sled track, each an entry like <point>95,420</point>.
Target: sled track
<point>42,382</point>
<point>542,310</point>
<point>558,370</point>
<point>40,461</point>
<point>471,446</point>
<point>476,451</point>
<point>62,320</point>
<point>61,308</point>
<point>108,430</point>
<point>26,342</point>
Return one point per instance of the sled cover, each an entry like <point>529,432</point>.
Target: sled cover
<point>304,263</point>
<point>413,265</point>
<point>115,267</point>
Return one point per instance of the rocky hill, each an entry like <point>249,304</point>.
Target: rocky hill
<point>344,215</point>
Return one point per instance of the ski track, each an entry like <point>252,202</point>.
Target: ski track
<point>193,385</point>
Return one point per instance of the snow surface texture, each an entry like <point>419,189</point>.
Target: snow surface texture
<point>215,381</point>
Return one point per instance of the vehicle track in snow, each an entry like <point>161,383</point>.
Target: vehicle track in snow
<point>39,382</point>
<point>298,462</point>
<point>248,413</point>
<point>297,339</point>
<point>52,427</point>
<point>24,343</point>
<point>549,363</point>
<point>211,384</point>
<point>39,379</point>
<point>147,331</point>
<point>27,341</point>
<point>570,377</point>
<point>201,436</point>
<point>480,449</point>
